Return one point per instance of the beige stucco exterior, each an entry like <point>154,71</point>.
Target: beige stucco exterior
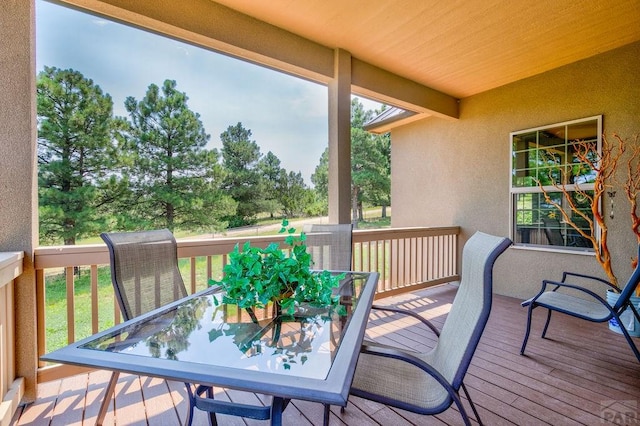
<point>457,172</point>
<point>18,183</point>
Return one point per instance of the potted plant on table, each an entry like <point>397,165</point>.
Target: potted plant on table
<point>256,277</point>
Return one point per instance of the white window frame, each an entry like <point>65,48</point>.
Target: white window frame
<point>515,190</point>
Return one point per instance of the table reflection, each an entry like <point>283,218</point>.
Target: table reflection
<point>204,330</point>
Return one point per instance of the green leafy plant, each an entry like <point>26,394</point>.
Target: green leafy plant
<point>255,277</point>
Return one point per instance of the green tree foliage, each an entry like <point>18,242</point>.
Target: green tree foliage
<point>75,154</point>
<point>152,169</point>
<point>174,179</point>
<point>270,171</point>
<point>240,159</point>
<point>284,191</point>
<point>370,165</point>
<point>377,190</point>
<point>293,194</point>
<point>169,343</point>
<point>320,177</point>
<point>370,168</point>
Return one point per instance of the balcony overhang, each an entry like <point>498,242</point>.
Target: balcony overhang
<point>391,118</point>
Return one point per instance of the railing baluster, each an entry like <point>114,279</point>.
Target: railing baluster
<point>412,262</point>
<point>94,299</point>
<point>384,267</point>
<point>116,311</point>
<point>70,305</point>
<point>40,306</point>
<point>437,255</point>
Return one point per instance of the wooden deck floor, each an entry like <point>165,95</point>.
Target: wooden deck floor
<point>583,374</point>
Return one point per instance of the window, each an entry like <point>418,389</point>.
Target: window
<point>547,175</point>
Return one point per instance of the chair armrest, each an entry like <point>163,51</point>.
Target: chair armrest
<point>564,284</point>
<point>527,302</point>
<point>411,359</point>
<point>589,277</point>
<point>569,286</point>
<point>410,313</point>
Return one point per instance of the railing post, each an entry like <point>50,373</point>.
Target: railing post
<point>12,388</point>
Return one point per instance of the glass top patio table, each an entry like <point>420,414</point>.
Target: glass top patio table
<point>198,339</point>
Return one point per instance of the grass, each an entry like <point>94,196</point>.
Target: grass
<point>56,306</point>
<point>375,223</point>
<point>56,300</point>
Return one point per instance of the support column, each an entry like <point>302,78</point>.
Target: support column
<point>340,139</point>
<point>18,172</point>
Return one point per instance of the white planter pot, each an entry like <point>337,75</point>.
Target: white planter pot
<point>628,319</point>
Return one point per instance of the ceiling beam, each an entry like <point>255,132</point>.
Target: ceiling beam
<point>216,27</point>
<point>369,81</point>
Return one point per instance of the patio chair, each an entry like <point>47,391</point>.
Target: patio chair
<point>552,231</point>
<point>330,245</point>
<point>145,276</point>
<point>583,303</point>
<point>429,382</point>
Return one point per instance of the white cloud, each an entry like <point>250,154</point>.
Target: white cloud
<point>101,22</point>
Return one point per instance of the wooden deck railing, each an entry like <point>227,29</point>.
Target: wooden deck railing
<point>406,258</point>
<point>11,388</point>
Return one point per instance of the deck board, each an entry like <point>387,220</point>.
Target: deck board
<point>582,373</point>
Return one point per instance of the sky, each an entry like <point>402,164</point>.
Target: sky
<point>286,115</point>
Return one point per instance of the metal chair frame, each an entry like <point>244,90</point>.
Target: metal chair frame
<point>382,369</point>
<point>588,306</point>
<point>145,276</point>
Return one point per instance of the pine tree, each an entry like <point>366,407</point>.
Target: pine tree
<point>75,155</point>
<point>175,180</point>
<point>240,159</point>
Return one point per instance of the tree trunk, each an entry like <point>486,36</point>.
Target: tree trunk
<point>384,211</point>
<point>354,205</point>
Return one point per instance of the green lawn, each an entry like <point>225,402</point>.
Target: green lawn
<point>56,300</point>
<point>56,306</point>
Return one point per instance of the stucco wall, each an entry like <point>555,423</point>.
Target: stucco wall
<point>457,172</point>
<point>18,202</point>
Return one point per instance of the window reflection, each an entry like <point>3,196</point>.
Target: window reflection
<point>544,158</point>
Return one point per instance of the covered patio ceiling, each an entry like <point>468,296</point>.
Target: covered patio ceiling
<point>419,55</point>
<point>459,47</point>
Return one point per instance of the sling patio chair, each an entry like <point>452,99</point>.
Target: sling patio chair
<point>577,301</point>
<point>429,382</point>
<point>145,276</point>
<point>552,231</point>
<point>330,245</point>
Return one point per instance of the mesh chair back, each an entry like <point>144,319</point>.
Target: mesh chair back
<point>144,270</point>
<point>552,231</point>
<point>470,309</point>
<point>329,245</point>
